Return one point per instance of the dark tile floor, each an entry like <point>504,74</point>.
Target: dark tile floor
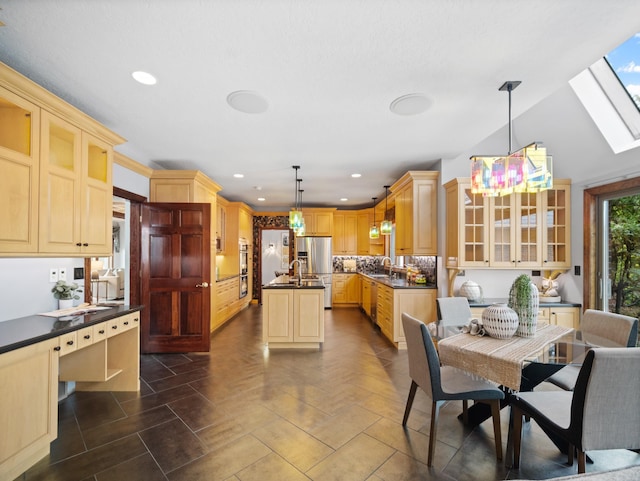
<point>243,413</point>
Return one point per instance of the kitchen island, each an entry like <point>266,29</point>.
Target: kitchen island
<point>293,313</point>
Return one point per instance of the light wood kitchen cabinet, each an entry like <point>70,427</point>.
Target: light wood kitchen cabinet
<point>221,225</point>
<point>346,289</point>
<point>416,206</point>
<point>20,166</point>
<point>318,222</point>
<point>28,407</point>
<point>345,233</point>
<point>293,318</point>
<point>384,310</point>
<point>56,187</point>
<point>521,230</point>
<point>227,294</point>
<point>76,190</point>
<point>246,223</point>
<point>366,295</point>
<point>567,316</point>
<point>365,245</point>
<point>419,303</point>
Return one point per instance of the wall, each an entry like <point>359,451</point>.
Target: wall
<point>580,153</point>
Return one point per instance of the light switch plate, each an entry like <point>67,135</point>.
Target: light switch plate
<point>53,275</point>
<point>62,274</point>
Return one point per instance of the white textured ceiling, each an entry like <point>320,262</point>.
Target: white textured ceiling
<point>328,68</point>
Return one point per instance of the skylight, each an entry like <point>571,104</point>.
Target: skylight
<point>625,63</point>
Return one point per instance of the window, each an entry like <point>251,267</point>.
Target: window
<point>625,63</point>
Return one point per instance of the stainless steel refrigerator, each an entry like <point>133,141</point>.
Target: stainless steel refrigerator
<point>316,259</point>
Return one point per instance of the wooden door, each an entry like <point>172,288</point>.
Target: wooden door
<point>176,277</point>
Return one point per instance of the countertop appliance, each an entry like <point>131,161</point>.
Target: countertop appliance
<point>314,254</point>
<point>244,268</point>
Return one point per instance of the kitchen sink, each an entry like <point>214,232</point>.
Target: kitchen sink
<point>379,276</point>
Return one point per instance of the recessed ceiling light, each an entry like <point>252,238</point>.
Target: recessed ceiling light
<point>343,199</point>
<point>238,176</point>
<point>411,104</point>
<point>144,78</point>
<point>261,199</point>
<point>247,101</point>
<point>355,176</point>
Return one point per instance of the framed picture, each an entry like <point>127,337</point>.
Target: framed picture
<point>285,250</point>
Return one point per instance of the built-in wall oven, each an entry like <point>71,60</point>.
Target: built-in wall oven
<point>244,268</point>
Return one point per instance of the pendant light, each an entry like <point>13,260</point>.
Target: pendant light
<point>301,231</point>
<point>527,170</point>
<point>295,215</point>
<point>386,225</point>
<point>374,232</point>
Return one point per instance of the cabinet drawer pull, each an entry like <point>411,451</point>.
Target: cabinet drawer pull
<point>85,244</point>
<point>78,244</point>
<point>126,323</point>
<point>101,331</point>
<point>70,343</point>
<point>87,336</point>
<point>114,327</point>
<point>135,319</point>
<point>57,348</point>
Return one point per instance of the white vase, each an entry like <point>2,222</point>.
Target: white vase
<point>65,303</point>
<point>500,321</point>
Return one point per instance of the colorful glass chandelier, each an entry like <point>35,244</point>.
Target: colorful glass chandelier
<point>526,170</point>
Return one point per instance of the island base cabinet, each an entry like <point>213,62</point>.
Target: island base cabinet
<point>28,407</point>
<point>293,318</point>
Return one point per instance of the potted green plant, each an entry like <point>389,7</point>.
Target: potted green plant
<point>524,299</point>
<point>65,293</point>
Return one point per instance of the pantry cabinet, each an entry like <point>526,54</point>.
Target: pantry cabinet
<point>520,230</point>
<point>345,233</point>
<point>416,205</point>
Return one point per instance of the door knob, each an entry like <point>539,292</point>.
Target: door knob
<point>204,284</point>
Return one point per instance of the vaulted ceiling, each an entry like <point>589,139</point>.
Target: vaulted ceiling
<point>328,70</point>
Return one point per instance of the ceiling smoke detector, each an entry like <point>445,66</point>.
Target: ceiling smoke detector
<point>248,102</point>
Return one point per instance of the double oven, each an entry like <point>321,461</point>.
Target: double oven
<point>244,268</point>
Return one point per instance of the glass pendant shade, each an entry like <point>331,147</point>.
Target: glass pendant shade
<point>295,219</point>
<point>374,232</point>
<point>301,231</point>
<point>385,227</point>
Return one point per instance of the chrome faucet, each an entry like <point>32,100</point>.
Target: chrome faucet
<point>299,268</point>
<point>390,264</point>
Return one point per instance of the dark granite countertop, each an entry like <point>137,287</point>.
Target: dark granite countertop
<point>24,331</point>
<point>287,282</point>
<point>487,302</point>
<point>400,283</point>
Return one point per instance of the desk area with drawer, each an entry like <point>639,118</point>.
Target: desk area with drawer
<point>99,351</point>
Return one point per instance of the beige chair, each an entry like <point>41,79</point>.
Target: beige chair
<point>603,329</point>
<point>443,383</point>
<point>601,412</point>
<point>453,313</point>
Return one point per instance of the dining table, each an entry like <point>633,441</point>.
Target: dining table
<point>516,364</point>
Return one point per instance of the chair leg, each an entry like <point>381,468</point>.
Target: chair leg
<point>570,449</point>
<point>407,409</point>
<point>517,436</point>
<point>582,462</point>
<point>495,413</point>
<point>435,411</point>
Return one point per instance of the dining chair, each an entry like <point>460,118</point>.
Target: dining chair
<point>443,383</point>
<point>600,328</point>
<point>452,312</point>
<point>601,412</point>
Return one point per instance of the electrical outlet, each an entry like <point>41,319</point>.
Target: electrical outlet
<point>62,273</point>
<point>53,275</point>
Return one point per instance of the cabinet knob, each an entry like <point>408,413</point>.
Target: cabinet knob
<point>87,336</point>
<point>78,244</point>
<point>57,348</point>
<point>101,331</point>
<point>85,244</point>
<point>135,319</point>
<point>126,323</point>
<point>114,327</point>
<point>70,343</point>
